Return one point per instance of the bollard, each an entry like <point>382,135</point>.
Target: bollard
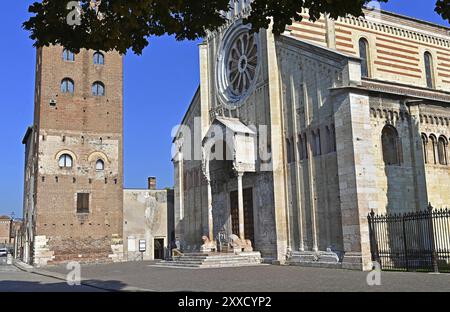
<point>9,259</point>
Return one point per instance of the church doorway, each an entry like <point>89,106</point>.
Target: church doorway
<point>248,214</point>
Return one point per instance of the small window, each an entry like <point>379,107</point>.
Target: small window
<point>98,89</point>
<point>429,69</point>
<point>82,202</point>
<point>100,165</point>
<point>99,58</point>
<point>364,56</point>
<point>68,56</point>
<point>65,161</point>
<point>67,86</point>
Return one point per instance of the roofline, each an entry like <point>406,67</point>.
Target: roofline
<point>186,114</point>
<point>27,134</point>
<point>192,101</point>
<point>366,90</point>
<point>416,19</point>
<point>331,53</point>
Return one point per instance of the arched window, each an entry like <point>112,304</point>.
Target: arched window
<point>99,58</point>
<point>67,86</point>
<point>65,161</point>
<point>428,60</point>
<point>364,56</point>
<point>433,147</point>
<point>98,89</point>
<point>100,165</point>
<point>442,150</point>
<point>68,56</point>
<point>391,146</point>
<point>425,147</point>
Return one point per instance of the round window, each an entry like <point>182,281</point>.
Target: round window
<point>238,65</point>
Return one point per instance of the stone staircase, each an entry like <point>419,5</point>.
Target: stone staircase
<point>213,260</point>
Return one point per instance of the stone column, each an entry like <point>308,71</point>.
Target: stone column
<point>210,213</point>
<point>241,206</point>
<point>178,196</point>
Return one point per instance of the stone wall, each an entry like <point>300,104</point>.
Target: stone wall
<point>146,217</point>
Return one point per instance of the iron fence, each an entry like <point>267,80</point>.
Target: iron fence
<point>416,241</point>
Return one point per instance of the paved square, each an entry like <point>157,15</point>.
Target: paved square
<point>264,278</point>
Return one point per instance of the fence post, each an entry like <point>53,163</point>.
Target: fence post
<point>405,245</point>
<point>373,238</point>
<point>433,243</point>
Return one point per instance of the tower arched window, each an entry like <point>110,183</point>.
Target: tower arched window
<point>99,58</point>
<point>442,150</point>
<point>67,86</point>
<point>68,56</point>
<point>364,56</point>
<point>100,165</point>
<point>428,61</point>
<point>65,161</point>
<point>98,88</point>
<point>391,146</point>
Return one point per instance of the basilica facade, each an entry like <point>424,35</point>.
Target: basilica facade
<point>291,140</point>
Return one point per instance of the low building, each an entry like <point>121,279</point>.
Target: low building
<point>147,222</point>
<point>5,230</point>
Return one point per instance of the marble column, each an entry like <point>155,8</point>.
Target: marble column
<point>241,206</point>
<point>210,213</point>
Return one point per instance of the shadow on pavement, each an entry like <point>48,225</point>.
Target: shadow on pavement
<point>37,286</point>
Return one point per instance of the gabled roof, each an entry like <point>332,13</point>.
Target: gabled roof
<point>235,125</point>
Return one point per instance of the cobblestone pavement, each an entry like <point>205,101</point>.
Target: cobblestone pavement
<point>264,278</point>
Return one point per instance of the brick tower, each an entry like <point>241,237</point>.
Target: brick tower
<point>73,197</point>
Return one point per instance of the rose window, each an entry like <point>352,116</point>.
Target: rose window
<point>241,63</point>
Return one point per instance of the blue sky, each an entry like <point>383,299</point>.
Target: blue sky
<point>158,88</point>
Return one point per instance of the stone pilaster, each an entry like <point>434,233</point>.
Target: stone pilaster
<point>279,190</point>
<point>356,170</point>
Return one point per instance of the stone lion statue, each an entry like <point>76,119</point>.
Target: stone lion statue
<point>208,245</point>
<point>239,245</point>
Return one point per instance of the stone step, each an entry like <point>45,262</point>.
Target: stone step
<point>215,265</point>
<point>201,260</point>
<point>208,259</point>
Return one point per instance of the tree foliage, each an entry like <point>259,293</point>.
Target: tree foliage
<point>129,24</point>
